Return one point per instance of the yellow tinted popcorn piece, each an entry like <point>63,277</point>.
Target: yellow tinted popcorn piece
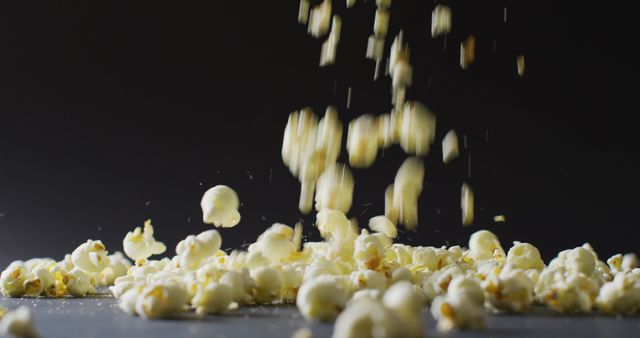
<point>194,249</point>
<point>367,317</point>
<point>303,11</point>
<point>334,189</point>
<point>220,207</point>
<point>370,250</point>
<point>467,52</point>
<point>484,244</point>
<point>3,311</point>
<point>90,256</point>
<point>404,193</point>
<point>330,46</point>
<point>140,244</point>
<point>321,298</point>
<point>524,256</point>
<point>467,205</point>
<point>580,260</point>
<point>381,22</point>
<point>440,20</point>
<point>351,3</point>
<point>161,300</point>
<point>18,323</point>
<point>269,284</point>
<point>12,280</point>
<point>383,225</point>
<point>276,243</point>
<point>213,298</point>
<point>520,64</point>
<point>299,139</point>
<point>499,218</point>
<point>319,19</point>
<point>375,48</point>
<point>368,279</point>
<point>418,128</point>
<point>450,148</point>
<point>241,283</point>
<point>461,308</point>
<point>565,291</point>
<point>362,148</point>
<point>615,263</point>
<point>512,291</point>
<point>336,228</point>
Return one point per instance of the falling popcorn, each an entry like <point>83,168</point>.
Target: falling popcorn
<point>450,148</point>
<point>440,20</point>
<point>18,323</point>
<point>319,19</point>
<point>466,205</point>
<point>140,244</point>
<point>303,11</point>
<point>220,207</point>
<point>467,52</point>
<point>520,64</point>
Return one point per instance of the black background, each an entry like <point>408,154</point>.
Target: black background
<point>112,112</point>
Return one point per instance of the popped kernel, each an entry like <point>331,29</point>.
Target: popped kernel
<point>383,225</point>
<point>90,256</point>
<point>467,205</point>
<point>440,20</point>
<point>450,148</point>
<point>18,323</point>
<point>140,244</point>
<point>220,207</point>
<point>213,298</point>
<point>321,298</point>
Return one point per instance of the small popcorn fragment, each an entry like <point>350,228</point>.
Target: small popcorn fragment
<point>467,52</point>
<point>520,64</point>
<point>466,205</point>
<point>440,20</point>
<point>499,218</point>
<point>450,148</point>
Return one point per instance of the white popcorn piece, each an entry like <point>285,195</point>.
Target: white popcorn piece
<point>90,256</point>
<point>375,48</point>
<point>241,283</point>
<point>467,205</point>
<point>524,256</point>
<point>629,262</point>
<point>403,299</point>
<point>128,300</point>
<point>620,296</point>
<point>511,291</point>
<point>118,267</point>
<point>440,20</point>
<point>220,207</point>
<point>12,280</point>
<point>370,250</point>
<point>361,147</point>
<point>162,299</point>
<point>213,298</point>
<point>404,193</point>
<point>334,189</point>
<point>319,19</point>
<point>467,52</point>
<point>461,308</point>
<point>140,244</point>
<point>367,317</point>
<point>484,244</point>
<point>303,11</point>
<point>566,291</point>
<point>269,284</point>
<point>580,260</point>
<point>330,46</point>
<point>351,3</point>
<point>383,225</point>
<point>499,219</point>
<point>381,23</point>
<point>615,263</point>
<point>192,250</point>
<point>321,298</point>
<point>79,283</point>
<point>368,279</point>
<point>418,128</point>
<point>450,148</point>
<point>306,332</point>
<point>336,228</point>
<point>18,323</point>
<point>276,243</point>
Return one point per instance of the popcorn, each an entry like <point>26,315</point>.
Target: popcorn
<point>566,291</point>
<point>467,52</point>
<point>520,64</point>
<point>303,11</point>
<point>79,284</point>
<point>375,48</point>
<point>90,256</point>
<point>402,298</point>
<point>381,22</point>
<point>401,199</point>
<point>18,323</point>
<point>466,205</point>
<point>524,256</point>
<point>461,307</point>
<point>12,279</point>
<point>139,244</point>
<point>383,225</point>
<point>512,291</point>
<point>629,262</point>
<point>621,296</point>
<point>484,244</point>
<point>321,298</point>
<point>368,279</point>
<point>220,207</point>
<point>368,317</point>
<point>370,249</point>
<point>580,260</point>
<point>336,228</point>
<point>450,146</point>
<point>276,243</point>
<point>3,311</point>
<point>161,299</point>
<point>192,250</point>
<point>319,19</point>
<point>241,283</point>
<point>330,46</point>
<point>334,189</point>
<point>213,298</point>
<point>361,147</point>
<point>269,284</point>
<point>127,301</point>
<point>118,266</point>
<point>440,20</point>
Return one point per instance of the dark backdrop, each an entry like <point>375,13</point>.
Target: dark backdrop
<point>112,112</point>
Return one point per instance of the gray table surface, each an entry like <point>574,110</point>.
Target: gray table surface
<point>100,317</point>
